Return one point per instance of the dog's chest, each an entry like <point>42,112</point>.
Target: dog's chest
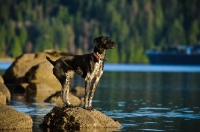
<point>98,67</point>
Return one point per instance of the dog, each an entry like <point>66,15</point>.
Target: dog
<point>88,66</point>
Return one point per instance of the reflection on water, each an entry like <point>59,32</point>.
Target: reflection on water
<point>140,101</point>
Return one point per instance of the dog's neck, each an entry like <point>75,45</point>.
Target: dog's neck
<point>100,54</point>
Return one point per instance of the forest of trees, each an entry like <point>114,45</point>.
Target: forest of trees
<point>71,25</point>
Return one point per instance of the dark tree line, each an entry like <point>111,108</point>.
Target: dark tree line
<point>71,26</point>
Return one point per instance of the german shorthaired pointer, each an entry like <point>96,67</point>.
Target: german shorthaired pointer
<point>88,66</point>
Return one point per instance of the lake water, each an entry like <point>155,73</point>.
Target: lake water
<point>141,100</point>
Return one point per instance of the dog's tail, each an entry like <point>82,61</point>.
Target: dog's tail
<point>52,62</point>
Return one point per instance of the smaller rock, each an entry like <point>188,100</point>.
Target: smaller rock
<point>4,90</point>
<point>78,91</point>
<point>23,85</point>
<point>1,79</point>
<point>55,98</point>
<point>2,99</point>
<point>77,118</point>
<point>12,119</point>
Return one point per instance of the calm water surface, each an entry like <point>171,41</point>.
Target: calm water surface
<point>140,101</point>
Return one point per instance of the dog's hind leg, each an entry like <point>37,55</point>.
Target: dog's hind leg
<point>65,81</point>
<point>65,89</point>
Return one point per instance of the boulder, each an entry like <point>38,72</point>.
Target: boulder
<point>55,98</point>
<point>39,90</point>
<point>12,119</point>
<point>2,98</point>
<point>1,79</point>
<point>42,73</point>
<point>79,119</point>
<point>20,66</point>
<point>16,72</point>
<point>4,93</point>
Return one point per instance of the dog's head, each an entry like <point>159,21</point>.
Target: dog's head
<point>104,42</point>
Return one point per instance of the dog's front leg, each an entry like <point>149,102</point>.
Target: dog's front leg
<point>94,86</point>
<point>65,90</point>
<point>88,80</point>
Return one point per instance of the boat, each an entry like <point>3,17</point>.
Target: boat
<point>180,55</point>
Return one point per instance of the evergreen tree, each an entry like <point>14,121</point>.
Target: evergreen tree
<point>112,54</point>
<point>16,48</point>
<point>23,36</point>
<point>2,40</point>
<point>45,38</point>
<point>71,26</point>
<point>70,39</point>
<point>194,36</point>
<point>59,34</point>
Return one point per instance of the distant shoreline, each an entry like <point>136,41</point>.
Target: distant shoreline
<point>110,67</point>
<point>6,59</point>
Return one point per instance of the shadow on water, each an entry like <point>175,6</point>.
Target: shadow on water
<point>140,101</point>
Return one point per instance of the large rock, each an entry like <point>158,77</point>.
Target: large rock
<point>35,67</point>
<point>12,119</point>
<point>55,98</point>
<point>39,90</point>
<point>42,73</point>
<point>21,65</point>
<point>78,119</point>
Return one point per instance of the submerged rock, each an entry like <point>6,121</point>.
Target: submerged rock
<point>78,118</point>
<point>12,119</point>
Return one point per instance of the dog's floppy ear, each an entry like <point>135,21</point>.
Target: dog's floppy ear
<point>96,42</point>
<point>103,40</point>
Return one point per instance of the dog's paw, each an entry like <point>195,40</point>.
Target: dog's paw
<point>70,106</point>
<point>90,108</point>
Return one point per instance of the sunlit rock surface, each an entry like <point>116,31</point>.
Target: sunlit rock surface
<point>4,92</point>
<point>1,79</point>
<point>12,119</point>
<point>78,118</point>
<point>32,68</point>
